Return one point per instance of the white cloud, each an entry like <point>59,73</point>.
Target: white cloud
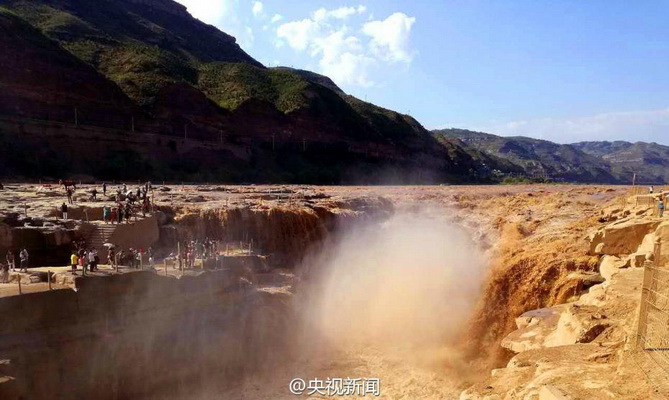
<point>343,60</point>
<point>647,125</point>
<point>257,8</point>
<point>390,37</point>
<point>339,13</point>
<point>343,56</point>
<point>276,18</point>
<point>299,34</point>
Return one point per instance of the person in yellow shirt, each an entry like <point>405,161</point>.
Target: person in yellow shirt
<point>74,260</point>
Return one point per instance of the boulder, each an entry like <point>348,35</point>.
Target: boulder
<point>556,326</point>
<point>596,296</point>
<point>533,328</point>
<point>647,244</point>
<point>549,392</point>
<point>577,324</point>
<point>610,266</point>
<point>621,237</point>
<point>586,279</point>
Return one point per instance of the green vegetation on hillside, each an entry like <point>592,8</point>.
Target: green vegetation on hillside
<point>231,84</point>
<point>141,71</point>
<point>141,53</point>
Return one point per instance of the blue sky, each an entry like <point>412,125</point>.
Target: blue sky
<point>559,70</point>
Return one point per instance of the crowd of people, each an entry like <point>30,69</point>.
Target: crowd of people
<point>197,249</point>
<point>87,259</point>
<point>24,258</point>
<point>10,264</point>
<point>127,203</point>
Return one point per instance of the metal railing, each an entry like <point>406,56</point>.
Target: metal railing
<point>652,340</point>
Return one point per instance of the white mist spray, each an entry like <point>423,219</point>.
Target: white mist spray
<point>402,291</point>
<point>380,301</point>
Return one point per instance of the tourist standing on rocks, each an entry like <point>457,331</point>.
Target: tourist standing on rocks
<point>105,214</point>
<point>94,194</point>
<point>74,260</point>
<point>113,215</point>
<point>120,213</point>
<point>650,190</point>
<point>11,262</point>
<point>70,192</point>
<point>104,188</point>
<point>92,257</point>
<point>131,258</point>
<point>660,208</point>
<point>149,252</point>
<point>63,209</point>
<point>111,257</point>
<point>23,255</point>
<point>128,212</point>
<point>190,258</point>
<point>83,260</point>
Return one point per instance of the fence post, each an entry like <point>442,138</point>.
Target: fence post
<point>643,307</point>
<point>181,262</point>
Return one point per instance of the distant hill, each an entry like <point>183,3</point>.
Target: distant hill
<point>650,161</point>
<point>538,159</point>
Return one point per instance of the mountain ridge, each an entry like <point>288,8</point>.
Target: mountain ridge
<point>594,161</point>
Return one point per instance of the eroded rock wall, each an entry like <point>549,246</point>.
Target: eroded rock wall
<point>285,234</point>
<point>138,335</point>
